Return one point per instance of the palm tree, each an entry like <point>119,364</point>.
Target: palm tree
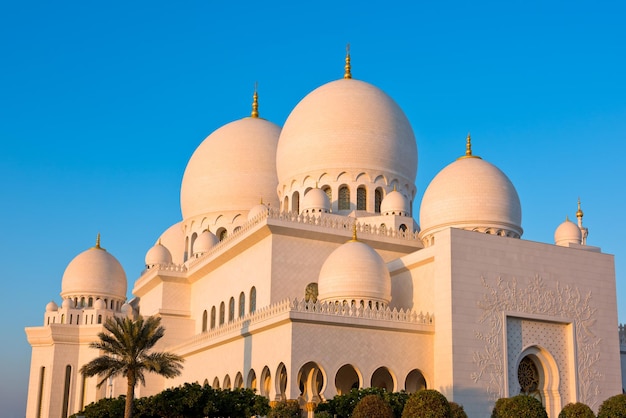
<point>126,348</point>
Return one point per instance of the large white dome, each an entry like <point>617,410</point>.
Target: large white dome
<point>232,169</point>
<point>347,126</point>
<point>354,271</point>
<point>94,273</point>
<point>471,194</point>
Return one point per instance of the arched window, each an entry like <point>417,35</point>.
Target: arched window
<point>221,234</point>
<point>231,309</point>
<point>185,256</point>
<point>378,199</point>
<point>403,228</point>
<point>344,198</point>
<point>361,198</point>
<point>295,202</point>
<point>222,312</point>
<point>90,303</point>
<point>66,391</point>
<point>204,320</point>
<point>213,317</point>
<point>192,250</point>
<point>99,319</point>
<point>252,299</point>
<point>329,193</point>
<point>286,205</point>
<point>528,378</point>
<point>242,305</point>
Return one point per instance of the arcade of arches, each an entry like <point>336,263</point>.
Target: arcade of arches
<point>313,381</point>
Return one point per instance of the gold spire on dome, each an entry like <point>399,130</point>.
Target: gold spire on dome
<point>97,246</point>
<point>468,148</point>
<point>354,238</point>
<point>255,102</point>
<point>348,68</point>
<point>579,212</point>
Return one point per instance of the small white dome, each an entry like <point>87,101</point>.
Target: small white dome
<point>67,303</point>
<point>231,168</point>
<point>354,271</point>
<point>395,204</point>
<point>471,194</point>
<point>567,233</point>
<point>52,307</point>
<point>126,308</point>
<point>257,210</point>
<point>315,201</point>
<point>158,255</point>
<point>94,272</point>
<point>174,240</point>
<point>204,242</point>
<point>99,304</point>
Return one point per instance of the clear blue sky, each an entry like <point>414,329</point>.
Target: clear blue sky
<point>103,103</point>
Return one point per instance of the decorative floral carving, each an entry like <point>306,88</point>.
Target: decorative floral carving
<point>536,298</point>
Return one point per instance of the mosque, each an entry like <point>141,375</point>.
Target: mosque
<point>299,270</point>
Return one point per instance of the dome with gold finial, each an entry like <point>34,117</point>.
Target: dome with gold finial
<point>158,255</point>
<point>346,132</point>
<point>94,273</point>
<point>205,241</point>
<point>354,272</point>
<point>471,194</point>
<point>567,233</point>
<point>257,210</point>
<point>231,168</point>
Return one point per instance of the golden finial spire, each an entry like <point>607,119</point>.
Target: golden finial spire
<point>159,241</point>
<point>261,199</point>
<point>348,68</point>
<point>579,212</point>
<point>395,189</point>
<point>98,242</point>
<point>354,238</point>
<point>255,102</point>
<point>468,148</point>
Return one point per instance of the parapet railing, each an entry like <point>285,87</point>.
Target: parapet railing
<point>315,310</point>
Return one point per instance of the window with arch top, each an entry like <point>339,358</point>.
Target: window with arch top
<point>252,299</point>
<point>231,309</point>
<point>361,198</point>
<point>344,198</point>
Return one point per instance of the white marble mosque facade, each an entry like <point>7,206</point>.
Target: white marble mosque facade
<point>330,283</point>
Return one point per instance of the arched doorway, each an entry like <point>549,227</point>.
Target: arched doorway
<point>415,381</point>
<point>538,375</point>
<point>346,379</point>
<point>281,383</point>
<point>383,379</point>
<point>266,382</point>
<point>251,382</point>
<point>238,381</point>
<point>311,382</point>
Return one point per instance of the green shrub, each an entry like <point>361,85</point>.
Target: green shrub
<point>614,407</point>
<point>323,414</point>
<point>457,411</point>
<point>285,409</point>
<point>519,406</point>
<point>104,408</point>
<point>576,410</point>
<point>427,404</point>
<point>342,406</point>
<point>372,406</point>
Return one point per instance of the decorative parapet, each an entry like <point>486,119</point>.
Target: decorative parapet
<point>322,221</point>
<point>314,311</point>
